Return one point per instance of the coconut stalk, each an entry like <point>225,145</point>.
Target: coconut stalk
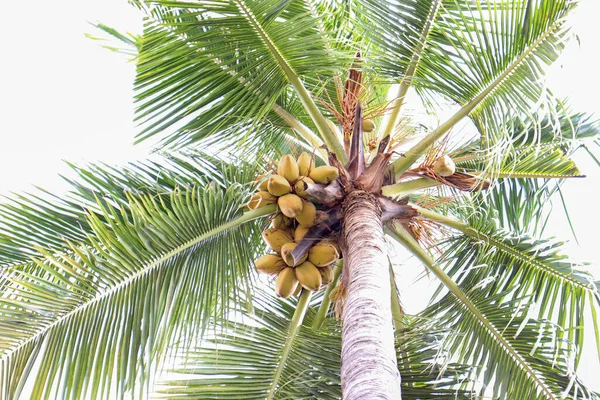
<point>402,189</point>
<point>295,324</point>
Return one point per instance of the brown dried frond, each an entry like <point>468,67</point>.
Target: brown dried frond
<point>426,232</point>
<point>467,182</point>
<point>351,98</point>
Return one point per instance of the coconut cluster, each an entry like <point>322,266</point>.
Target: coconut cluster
<point>312,272</point>
<point>296,215</point>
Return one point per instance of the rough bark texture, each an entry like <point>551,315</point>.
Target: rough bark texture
<point>369,367</point>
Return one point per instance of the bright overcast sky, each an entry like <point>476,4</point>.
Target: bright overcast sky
<point>62,96</point>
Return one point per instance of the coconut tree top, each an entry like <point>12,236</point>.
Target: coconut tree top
<point>148,268</point>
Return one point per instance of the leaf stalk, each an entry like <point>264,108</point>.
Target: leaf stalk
<point>295,324</point>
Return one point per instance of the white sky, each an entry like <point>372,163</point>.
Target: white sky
<point>62,96</point>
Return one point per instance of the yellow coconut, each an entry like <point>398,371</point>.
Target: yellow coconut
<point>299,232</point>
<point>368,125</point>
<point>261,181</point>
<point>288,168</point>
<point>322,254</point>
<point>308,215</point>
<point>301,185</point>
<point>444,166</point>
<point>270,264</point>
<point>309,276</point>
<point>286,283</point>
<point>324,174</point>
<point>290,205</point>
<point>276,238</point>
<point>326,274</point>
<point>278,186</point>
<point>306,163</point>
<point>332,243</point>
<point>281,222</point>
<point>261,199</point>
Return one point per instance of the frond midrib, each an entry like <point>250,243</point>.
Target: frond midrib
<point>410,72</point>
<point>523,175</point>
<point>305,97</point>
<point>479,235</point>
<point>527,259</point>
<point>296,125</point>
<point>496,83</point>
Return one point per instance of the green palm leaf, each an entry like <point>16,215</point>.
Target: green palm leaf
<point>240,360</point>
<point>529,363</point>
<point>408,24</point>
<point>490,61</point>
<point>91,301</point>
<point>548,162</point>
<point>539,158</point>
<point>493,54</point>
<point>524,358</point>
<point>221,66</point>
<point>501,265</point>
<point>45,219</point>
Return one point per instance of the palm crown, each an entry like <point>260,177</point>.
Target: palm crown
<point>148,268</point>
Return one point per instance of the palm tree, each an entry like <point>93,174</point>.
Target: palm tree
<point>139,281</point>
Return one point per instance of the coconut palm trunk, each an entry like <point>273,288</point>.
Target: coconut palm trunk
<point>369,368</point>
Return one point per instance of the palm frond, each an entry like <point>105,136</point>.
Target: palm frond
<point>473,47</point>
<point>26,220</point>
<point>547,163</point>
<point>481,322</point>
<point>128,42</point>
<point>220,66</point>
<point>490,61</point>
<point>560,126</point>
<point>498,264</point>
<point>240,359</point>
<point>540,154</point>
<point>407,25</point>
<point>149,271</point>
<point>493,55</point>
<point>544,365</point>
<point>45,219</point>
<point>521,206</point>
